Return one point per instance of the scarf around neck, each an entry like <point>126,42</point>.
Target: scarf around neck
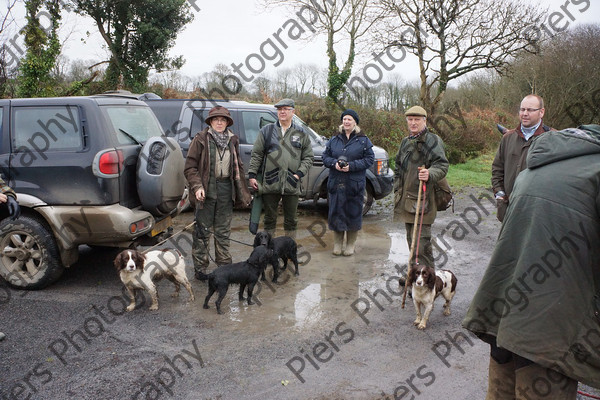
<point>221,139</point>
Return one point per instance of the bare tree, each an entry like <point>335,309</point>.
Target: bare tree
<point>6,16</point>
<point>284,86</point>
<point>565,74</point>
<point>452,38</point>
<point>264,88</point>
<point>344,22</point>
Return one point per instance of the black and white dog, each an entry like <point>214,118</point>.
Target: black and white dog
<point>141,271</point>
<point>283,247</point>
<point>427,285</point>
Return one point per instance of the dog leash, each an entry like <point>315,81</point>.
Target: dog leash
<point>204,240</point>
<point>223,236</point>
<point>170,237</point>
<point>591,396</point>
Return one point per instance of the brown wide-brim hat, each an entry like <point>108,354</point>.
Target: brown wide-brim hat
<point>219,111</point>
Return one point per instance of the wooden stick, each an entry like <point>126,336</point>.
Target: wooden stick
<point>407,283</point>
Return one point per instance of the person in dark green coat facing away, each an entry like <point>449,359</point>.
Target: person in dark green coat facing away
<point>538,304</point>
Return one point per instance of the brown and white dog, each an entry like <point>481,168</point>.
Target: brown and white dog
<point>427,285</point>
<point>140,271</point>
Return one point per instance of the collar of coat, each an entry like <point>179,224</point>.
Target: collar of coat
<point>541,129</point>
<point>356,130</point>
<point>419,135</point>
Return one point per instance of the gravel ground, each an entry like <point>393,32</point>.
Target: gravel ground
<point>337,331</point>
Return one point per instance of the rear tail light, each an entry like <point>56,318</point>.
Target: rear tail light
<point>139,226</point>
<point>381,167</point>
<point>111,162</point>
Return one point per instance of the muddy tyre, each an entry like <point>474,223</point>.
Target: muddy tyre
<point>368,199</point>
<point>29,257</point>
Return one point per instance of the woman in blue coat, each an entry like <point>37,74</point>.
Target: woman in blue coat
<point>348,155</point>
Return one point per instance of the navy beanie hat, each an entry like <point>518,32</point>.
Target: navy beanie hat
<point>351,113</point>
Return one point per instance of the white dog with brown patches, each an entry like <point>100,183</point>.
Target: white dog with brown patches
<point>427,285</point>
<point>141,271</point>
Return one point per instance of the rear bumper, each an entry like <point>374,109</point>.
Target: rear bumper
<point>97,225</point>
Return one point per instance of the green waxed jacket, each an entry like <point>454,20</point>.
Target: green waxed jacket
<point>427,150</point>
<point>286,156</point>
<point>540,295</point>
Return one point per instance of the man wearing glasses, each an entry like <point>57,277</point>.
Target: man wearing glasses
<point>282,155</point>
<point>512,152</point>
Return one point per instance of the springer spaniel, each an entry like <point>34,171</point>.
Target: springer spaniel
<point>427,285</point>
<point>140,271</point>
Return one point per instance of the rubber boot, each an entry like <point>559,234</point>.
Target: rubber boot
<point>350,241</point>
<point>559,387</point>
<point>501,381</point>
<point>271,232</point>
<point>338,240</point>
<point>291,234</point>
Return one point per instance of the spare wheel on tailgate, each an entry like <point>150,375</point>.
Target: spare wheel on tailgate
<point>160,179</point>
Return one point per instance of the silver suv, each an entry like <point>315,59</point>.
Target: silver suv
<point>87,170</point>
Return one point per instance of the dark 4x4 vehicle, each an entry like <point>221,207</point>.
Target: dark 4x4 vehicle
<point>87,170</point>
<point>182,119</point>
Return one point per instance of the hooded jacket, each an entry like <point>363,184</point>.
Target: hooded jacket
<point>540,295</point>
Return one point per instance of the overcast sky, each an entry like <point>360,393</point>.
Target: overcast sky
<point>228,31</point>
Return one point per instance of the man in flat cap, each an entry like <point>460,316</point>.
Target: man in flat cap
<point>282,155</point>
<point>420,157</point>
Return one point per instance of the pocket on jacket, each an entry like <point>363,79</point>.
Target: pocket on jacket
<point>291,179</point>
<point>272,176</point>
<point>398,190</point>
<point>356,186</point>
<point>410,204</point>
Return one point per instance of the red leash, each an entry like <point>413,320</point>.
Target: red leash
<point>591,396</point>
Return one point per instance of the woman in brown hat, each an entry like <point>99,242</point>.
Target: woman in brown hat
<point>216,179</point>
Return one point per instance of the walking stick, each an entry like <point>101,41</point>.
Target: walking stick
<point>412,245</point>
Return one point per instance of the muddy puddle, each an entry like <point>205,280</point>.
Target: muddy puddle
<point>328,286</point>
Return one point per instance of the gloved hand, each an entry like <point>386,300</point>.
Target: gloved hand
<point>14,210</point>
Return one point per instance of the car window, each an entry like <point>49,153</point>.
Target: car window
<point>54,128</point>
<point>198,124</point>
<point>315,138</point>
<point>254,121</point>
<point>132,123</point>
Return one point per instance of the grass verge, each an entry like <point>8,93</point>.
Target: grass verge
<point>475,173</point>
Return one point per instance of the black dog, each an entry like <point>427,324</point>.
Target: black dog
<point>283,247</point>
<point>246,273</point>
